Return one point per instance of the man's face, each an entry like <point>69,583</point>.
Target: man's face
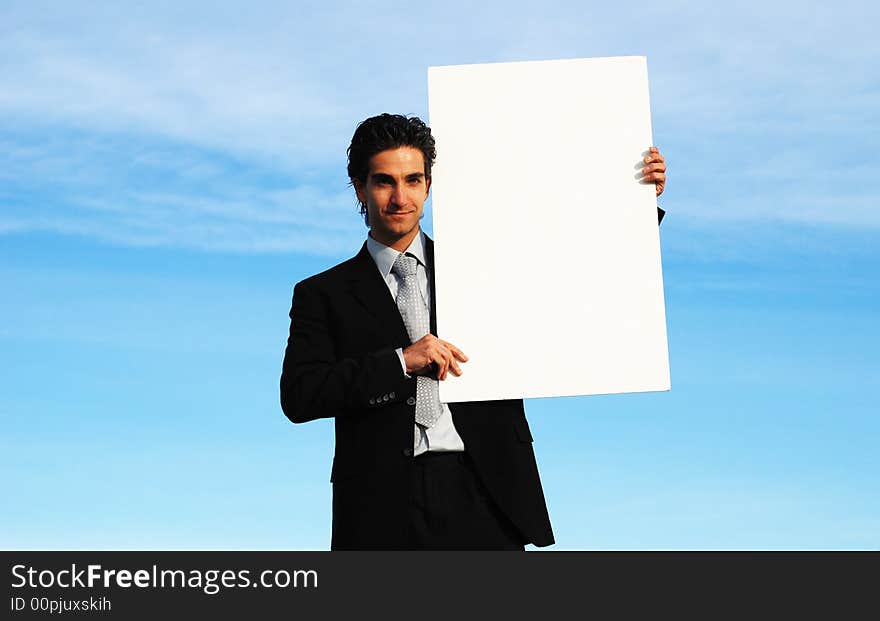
<point>395,192</point>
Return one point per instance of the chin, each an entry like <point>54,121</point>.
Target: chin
<point>400,229</point>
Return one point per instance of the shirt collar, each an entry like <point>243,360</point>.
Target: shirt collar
<point>384,256</point>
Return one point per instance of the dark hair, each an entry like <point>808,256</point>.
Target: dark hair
<point>383,132</point>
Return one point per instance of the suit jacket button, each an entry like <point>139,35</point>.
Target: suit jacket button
<point>385,397</point>
<point>411,401</point>
<point>407,452</point>
<point>393,395</point>
<point>372,401</point>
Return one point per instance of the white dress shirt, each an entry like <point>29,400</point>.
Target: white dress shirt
<point>442,436</point>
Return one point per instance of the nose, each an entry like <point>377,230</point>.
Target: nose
<point>398,197</point>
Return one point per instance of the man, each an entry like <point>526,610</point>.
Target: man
<point>408,472</point>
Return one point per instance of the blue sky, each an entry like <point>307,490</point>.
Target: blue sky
<point>168,172</point>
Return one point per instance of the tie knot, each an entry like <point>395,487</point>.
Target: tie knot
<point>405,266</point>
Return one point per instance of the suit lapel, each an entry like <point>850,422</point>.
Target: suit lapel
<point>371,292</point>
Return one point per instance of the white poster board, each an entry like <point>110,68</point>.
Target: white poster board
<point>547,256</point>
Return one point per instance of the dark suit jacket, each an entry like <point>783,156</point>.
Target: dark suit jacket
<point>341,362</point>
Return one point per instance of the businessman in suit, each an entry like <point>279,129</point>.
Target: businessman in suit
<point>408,471</point>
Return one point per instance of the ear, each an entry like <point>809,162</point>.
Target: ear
<point>359,190</point>
<point>427,186</point>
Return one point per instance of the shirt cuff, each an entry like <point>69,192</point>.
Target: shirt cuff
<point>399,351</point>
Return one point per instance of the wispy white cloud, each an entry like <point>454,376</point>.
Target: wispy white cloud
<point>198,92</point>
<point>205,124</point>
<point>166,195</point>
<point>298,219</point>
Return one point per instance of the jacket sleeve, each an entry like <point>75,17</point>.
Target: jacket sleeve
<point>316,382</point>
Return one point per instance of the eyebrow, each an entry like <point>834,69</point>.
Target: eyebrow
<point>380,176</point>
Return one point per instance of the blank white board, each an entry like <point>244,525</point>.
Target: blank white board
<point>547,254</point>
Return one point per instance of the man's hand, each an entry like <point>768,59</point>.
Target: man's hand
<point>654,170</point>
<point>428,351</point>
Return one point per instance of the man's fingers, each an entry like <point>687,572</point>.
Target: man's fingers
<point>456,351</point>
<point>453,366</point>
<point>654,177</point>
<point>454,354</point>
<point>654,155</point>
<point>655,170</point>
<point>444,369</point>
<point>441,357</point>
